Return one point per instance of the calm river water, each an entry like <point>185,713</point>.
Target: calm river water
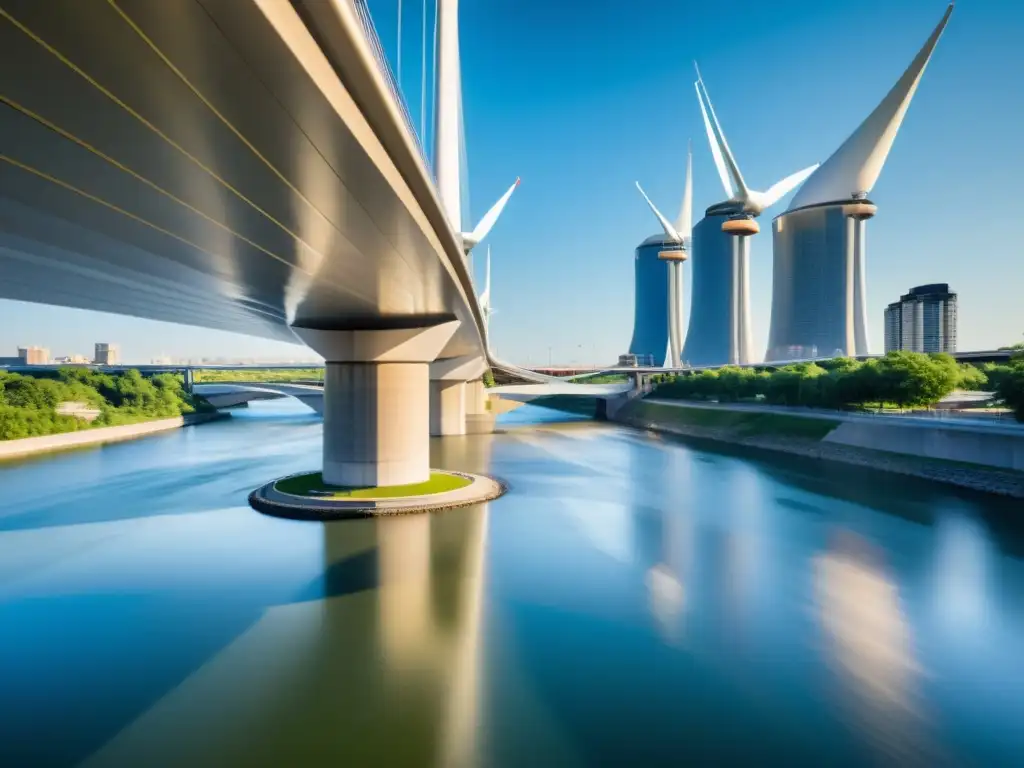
<point>632,601</point>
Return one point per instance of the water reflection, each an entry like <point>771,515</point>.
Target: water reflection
<point>312,679</point>
<point>664,579</point>
<point>632,601</point>
<point>869,639</point>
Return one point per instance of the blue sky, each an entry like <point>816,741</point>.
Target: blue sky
<point>581,98</point>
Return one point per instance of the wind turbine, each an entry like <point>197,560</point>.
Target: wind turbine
<point>740,226</point>
<point>470,239</point>
<point>749,200</point>
<point>678,233</point>
<point>485,295</point>
<point>448,130</point>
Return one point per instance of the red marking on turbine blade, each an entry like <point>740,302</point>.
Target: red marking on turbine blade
<point>517,181</point>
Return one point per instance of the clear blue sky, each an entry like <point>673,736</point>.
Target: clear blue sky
<point>583,97</point>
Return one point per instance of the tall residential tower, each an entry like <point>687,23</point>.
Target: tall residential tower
<point>923,320</point>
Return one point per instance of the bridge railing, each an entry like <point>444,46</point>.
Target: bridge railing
<point>370,31</point>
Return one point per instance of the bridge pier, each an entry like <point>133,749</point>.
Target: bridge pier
<point>452,394</point>
<point>447,408</point>
<point>377,402</point>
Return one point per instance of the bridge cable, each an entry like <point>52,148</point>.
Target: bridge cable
<point>423,81</point>
<point>399,67</point>
<point>433,95</point>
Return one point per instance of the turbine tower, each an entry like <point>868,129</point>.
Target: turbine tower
<point>819,294</point>
<point>678,234</point>
<point>721,279</point>
<point>448,130</point>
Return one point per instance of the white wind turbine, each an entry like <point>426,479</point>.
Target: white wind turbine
<point>447,129</point>
<point>749,204</point>
<point>485,296</point>
<point>751,201</point>
<point>678,233</point>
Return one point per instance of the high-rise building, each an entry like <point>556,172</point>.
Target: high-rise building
<point>819,293</point>
<point>923,320</point>
<point>33,355</point>
<point>107,354</point>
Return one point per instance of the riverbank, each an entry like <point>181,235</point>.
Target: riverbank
<point>30,446</point>
<point>844,440</point>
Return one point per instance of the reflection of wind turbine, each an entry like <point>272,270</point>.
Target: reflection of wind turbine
<point>749,203</point>
<point>679,234</point>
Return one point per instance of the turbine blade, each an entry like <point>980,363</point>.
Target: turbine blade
<point>782,188</point>
<point>684,225</point>
<point>487,222</point>
<point>854,168</point>
<point>670,231</point>
<point>730,161</point>
<point>716,153</point>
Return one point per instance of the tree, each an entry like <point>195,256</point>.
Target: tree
<point>1011,390</point>
<point>972,378</point>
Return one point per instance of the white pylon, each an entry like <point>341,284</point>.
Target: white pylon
<point>447,129</point>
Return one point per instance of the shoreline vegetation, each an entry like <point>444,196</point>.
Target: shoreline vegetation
<point>898,380</point>
<point>252,375</point>
<point>37,404</point>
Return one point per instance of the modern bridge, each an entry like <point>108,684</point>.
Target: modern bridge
<point>249,166</point>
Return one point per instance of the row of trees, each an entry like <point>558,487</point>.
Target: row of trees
<point>28,403</point>
<point>904,379</point>
<point>211,375</point>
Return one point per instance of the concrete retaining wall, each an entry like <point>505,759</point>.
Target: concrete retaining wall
<point>32,445</point>
<point>988,448</point>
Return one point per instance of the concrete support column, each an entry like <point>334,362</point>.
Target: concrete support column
<point>448,394</point>
<point>447,408</point>
<point>741,227</point>
<point>675,259</point>
<point>860,297</point>
<point>744,353</point>
<point>476,397</point>
<point>377,402</point>
<point>850,294</point>
<point>859,211</point>
<point>376,419</point>
<point>734,304</point>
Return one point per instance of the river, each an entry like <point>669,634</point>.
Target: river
<point>633,600</point>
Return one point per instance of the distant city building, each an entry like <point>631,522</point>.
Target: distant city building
<point>630,360</point>
<point>107,354</point>
<point>72,360</point>
<point>923,320</point>
<point>33,355</point>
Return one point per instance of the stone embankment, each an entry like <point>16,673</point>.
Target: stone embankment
<point>29,446</point>
<point>810,437</point>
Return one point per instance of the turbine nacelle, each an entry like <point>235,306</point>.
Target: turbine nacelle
<point>748,200</point>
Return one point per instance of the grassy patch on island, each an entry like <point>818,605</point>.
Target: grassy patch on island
<point>312,485</point>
